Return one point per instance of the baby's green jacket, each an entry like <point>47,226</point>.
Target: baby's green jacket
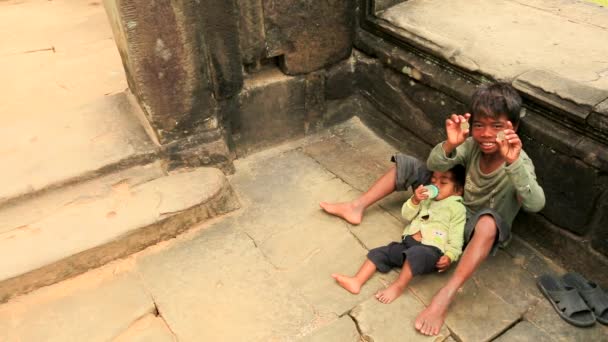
<point>441,223</point>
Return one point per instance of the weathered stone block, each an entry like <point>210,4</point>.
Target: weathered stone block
<point>314,101</point>
<point>441,76</point>
<point>272,110</point>
<point>571,191</point>
<point>598,119</point>
<point>385,89</point>
<point>251,30</point>
<point>309,34</point>
<point>340,80</point>
<point>161,51</point>
<point>220,35</point>
<point>574,253</point>
<point>599,224</point>
<point>572,98</point>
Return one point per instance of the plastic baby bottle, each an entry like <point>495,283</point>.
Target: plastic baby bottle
<point>432,190</point>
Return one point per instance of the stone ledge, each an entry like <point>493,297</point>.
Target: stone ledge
<point>86,232</point>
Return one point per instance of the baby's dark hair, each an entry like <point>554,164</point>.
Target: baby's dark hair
<point>494,99</point>
<point>458,176</point>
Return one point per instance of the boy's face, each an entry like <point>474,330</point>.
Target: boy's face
<point>446,185</point>
<point>484,130</point>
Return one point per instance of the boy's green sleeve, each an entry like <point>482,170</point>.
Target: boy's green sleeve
<point>439,161</point>
<point>453,249</point>
<point>529,192</point>
<point>409,210</point>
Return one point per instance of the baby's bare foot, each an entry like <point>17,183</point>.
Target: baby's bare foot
<point>346,210</point>
<point>348,283</point>
<point>390,293</point>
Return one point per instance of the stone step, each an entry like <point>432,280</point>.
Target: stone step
<point>67,231</point>
<point>43,152</point>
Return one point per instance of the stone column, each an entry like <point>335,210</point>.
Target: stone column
<point>181,57</point>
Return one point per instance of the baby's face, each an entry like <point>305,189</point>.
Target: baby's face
<point>445,183</point>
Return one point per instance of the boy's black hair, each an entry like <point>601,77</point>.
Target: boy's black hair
<point>494,99</point>
<point>458,175</point>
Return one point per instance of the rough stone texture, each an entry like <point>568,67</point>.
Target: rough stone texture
<point>310,35</point>
<point>574,99</point>
<point>205,149</point>
<point>148,329</point>
<point>518,287</point>
<point>96,312</point>
<point>343,329</point>
<point>71,145</point>
<point>562,246</point>
<point>476,314</point>
<point>599,234</point>
<point>251,30</point>
<point>300,243</point>
<point>447,78</point>
<point>340,80</point>
<point>598,119</point>
<point>524,332</point>
<point>383,87</point>
<point>157,210</point>
<point>219,20</point>
<point>314,101</point>
<point>220,287</point>
<point>544,317</point>
<point>162,52</point>
<point>576,185</point>
<point>394,322</point>
<point>265,119</point>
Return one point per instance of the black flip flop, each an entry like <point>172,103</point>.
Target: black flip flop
<point>566,301</point>
<point>594,296</point>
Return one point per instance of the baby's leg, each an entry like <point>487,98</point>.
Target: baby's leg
<point>353,284</point>
<point>398,286</point>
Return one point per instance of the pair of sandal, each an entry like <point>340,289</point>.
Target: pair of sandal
<point>578,301</point>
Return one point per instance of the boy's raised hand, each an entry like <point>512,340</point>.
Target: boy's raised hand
<point>510,145</point>
<point>457,134</point>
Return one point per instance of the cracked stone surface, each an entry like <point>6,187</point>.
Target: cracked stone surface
<point>263,272</point>
<point>574,50</point>
<point>96,308</point>
<point>387,322</point>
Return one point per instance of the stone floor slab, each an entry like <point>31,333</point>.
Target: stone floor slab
<point>98,311</point>
<point>220,287</point>
<point>342,329</point>
<point>392,322</point>
<point>544,317</point>
<point>308,255</point>
<point>505,277</point>
<point>524,332</point>
<point>148,329</point>
<point>477,314</point>
<point>89,232</point>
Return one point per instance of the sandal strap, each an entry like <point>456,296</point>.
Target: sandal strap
<point>569,301</point>
<point>596,299</point>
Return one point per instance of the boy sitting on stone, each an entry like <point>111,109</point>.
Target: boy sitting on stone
<point>435,232</point>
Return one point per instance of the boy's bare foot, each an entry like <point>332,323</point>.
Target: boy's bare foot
<point>346,210</point>
<point>390,293</point>
<point>348,283</point>
<point>431,319</point>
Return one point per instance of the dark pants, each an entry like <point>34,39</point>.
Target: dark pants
<point>422,258</point>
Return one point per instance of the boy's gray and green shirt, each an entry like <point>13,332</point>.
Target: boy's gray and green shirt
<point>506,189</point>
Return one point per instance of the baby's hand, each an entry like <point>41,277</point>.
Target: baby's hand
<point>420,194</point>
<point>443,263</point>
